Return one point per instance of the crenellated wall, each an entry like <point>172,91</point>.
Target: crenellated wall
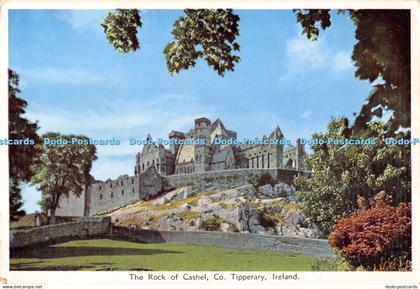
<point>113,194</point>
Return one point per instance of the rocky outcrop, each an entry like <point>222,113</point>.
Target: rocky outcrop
<point>279,190</point>
<point>178,194</point>
<point>267,210</point>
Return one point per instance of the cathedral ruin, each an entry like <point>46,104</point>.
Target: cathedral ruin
<point>202,165</point>
<point>210,156</point>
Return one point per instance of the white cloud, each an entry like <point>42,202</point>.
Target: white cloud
<point>342,61</point>
<point>123,119</point>
<point>111,168</point>
<point>69,76</point>
<point>83,19</point>
<point>305,56</point>
<point>305,114</point>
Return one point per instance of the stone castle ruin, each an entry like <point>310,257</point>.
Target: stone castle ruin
<point>202,165</point>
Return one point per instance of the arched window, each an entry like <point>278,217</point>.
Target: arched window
<point>290,164</point>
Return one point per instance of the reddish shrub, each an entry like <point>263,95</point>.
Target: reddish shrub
<point>376,237</point>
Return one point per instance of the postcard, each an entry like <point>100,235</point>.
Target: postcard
<point>196,143</point>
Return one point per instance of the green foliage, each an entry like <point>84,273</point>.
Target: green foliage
<point>15,202</point>
<point>314,20</point>
<point>21,157</point>
<point>336,264</point>
<point>121,28</point>
<point>382,51</point>
<point>189,215</point>
<point>63,169</point>
<point>381,54</point>
<point>204,33</point>
<point>341,173</point>
<point>377,237</point>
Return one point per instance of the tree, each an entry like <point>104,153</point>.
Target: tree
<point>121,29</point>
<point>63,169</point>
<point>21,157</point>
<point>381,54</point>
<point>341,173</point>
<point>209,34</point>
<point>204,33</point>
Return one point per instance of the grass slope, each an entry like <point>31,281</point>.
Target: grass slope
<point>105,254</point>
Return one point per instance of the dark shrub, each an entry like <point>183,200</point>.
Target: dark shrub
<point>376,237</point>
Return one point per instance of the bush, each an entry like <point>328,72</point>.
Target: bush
<point>376,237</point>
<point>340,172</point>
<point>336,264</point>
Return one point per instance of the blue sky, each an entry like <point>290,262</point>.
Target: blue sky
<point>75,82</point>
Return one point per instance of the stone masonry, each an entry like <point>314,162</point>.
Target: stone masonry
<point>159,169</point>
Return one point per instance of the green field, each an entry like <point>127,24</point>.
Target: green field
<point>105,254</point>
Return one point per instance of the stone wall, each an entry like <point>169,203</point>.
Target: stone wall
<point>151,184</point>
<point>60,232</point>
<point>310,247</point>
<point>104,197</point>
<point>113,194</point>
<point>227,179</point>
<point>263,156</point>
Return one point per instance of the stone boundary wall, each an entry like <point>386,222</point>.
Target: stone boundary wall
<point>60,232</point>
<point>228,178</point>
<point>310,247</point>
